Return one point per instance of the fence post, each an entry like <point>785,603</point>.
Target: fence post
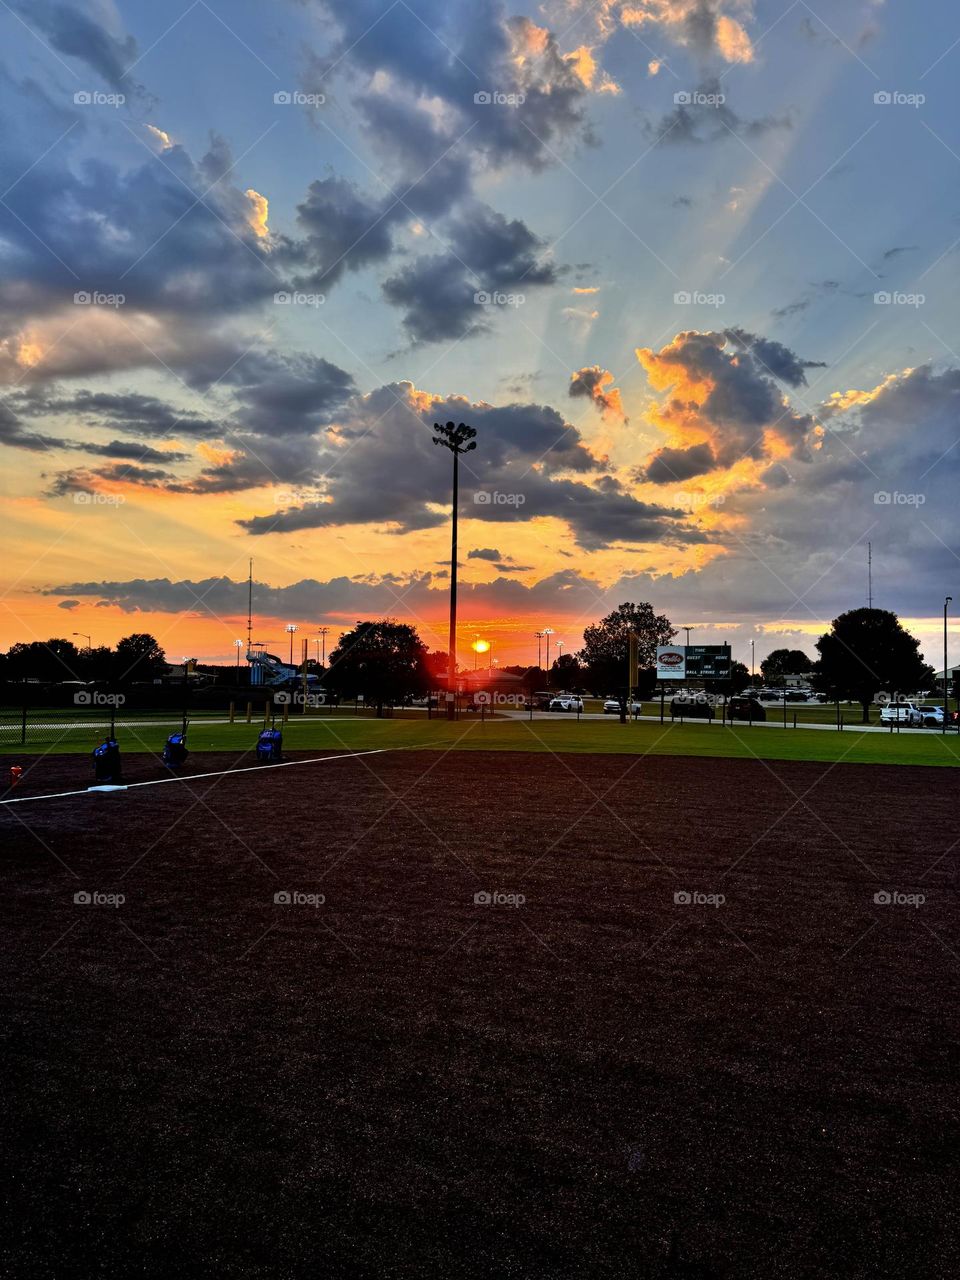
<point>249,712</point>
<point>233,708</point>
<point>794,719</point>
<point>23,726</point>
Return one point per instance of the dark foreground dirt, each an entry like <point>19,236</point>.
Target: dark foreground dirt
<point>598,1081</point>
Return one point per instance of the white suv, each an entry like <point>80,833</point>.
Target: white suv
<point>902,713</point>
<point>931,717</point>
<point>566,702</point>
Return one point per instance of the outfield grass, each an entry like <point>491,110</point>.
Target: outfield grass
<point>560,735</point>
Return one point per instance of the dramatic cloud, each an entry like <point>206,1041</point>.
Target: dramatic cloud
<point>723,405</point>
<point>78,35</point>
<point>594,383</point>
<point>489,263</point>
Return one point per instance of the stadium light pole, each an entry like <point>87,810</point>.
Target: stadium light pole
<point>291,629</point>
<point>753,659</point>
<point>238,645</point>
<point>539,635</point>
<point>548,632</point>
<point>322,633</point>
<point>459,439</point>
<point>946,695</point>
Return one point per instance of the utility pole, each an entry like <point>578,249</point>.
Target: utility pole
<point>946,687</point>
<point>249,603</point>
<point>458,439</point>
<point>869,575</point>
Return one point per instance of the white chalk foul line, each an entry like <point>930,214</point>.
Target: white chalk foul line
<point>222,773</point>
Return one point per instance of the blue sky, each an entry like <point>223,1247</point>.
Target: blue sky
<point>742,155</point>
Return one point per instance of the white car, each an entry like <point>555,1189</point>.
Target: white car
<point>931,716</point>
<point>902,713</point>
<point>612,707</point>
<point>566,702</point>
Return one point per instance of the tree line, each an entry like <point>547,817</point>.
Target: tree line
<point>866,651</point>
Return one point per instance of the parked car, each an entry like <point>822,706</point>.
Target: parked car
<point>902,713</point>
<point>691,708</point>
<point>745,709</point>
<point>566,702</point>
<point>611,707</point>
<point>932,716</point>
<point>771,695</point>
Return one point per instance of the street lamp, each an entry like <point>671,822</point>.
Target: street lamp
<point>238,644</point>
<point>539,635</point>
<point>548,632</point>
<point>86,637</point>
<point>753,659</point>
<point>687,630</point>
<point>946,690</point>
<point>322,633</point>
<point>291,628</point>
<point>458,439</point>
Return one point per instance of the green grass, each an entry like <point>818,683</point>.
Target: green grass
<point>560,735</point>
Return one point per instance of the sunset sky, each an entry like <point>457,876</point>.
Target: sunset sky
<point>689,267</point>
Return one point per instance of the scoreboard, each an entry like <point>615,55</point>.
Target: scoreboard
<point>693,662</point>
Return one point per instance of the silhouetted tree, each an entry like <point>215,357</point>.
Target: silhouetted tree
<point>381,661</point>
<point>606,644</point>
<point>868,651</point>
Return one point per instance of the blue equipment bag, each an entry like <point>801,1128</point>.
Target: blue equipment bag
<point>175,751</point>
<point>270,746</point>
<point>106,761</point>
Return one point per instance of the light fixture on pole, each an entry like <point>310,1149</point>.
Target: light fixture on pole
<point>458,439</point>
<point>238,645</point>
<point>753,659</point>
<point>322,633</point>
<point>291,628</point>
<point>86,637</point>
<point>548,632</point>
<point>539,635</point>
<point>687,630</point>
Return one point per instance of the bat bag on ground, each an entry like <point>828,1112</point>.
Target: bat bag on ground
<point>270,746</point>
<point>175,751</point>
<point>106,761</point>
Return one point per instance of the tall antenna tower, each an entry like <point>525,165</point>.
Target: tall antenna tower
<point>869,575</point>
<point>249,603</point>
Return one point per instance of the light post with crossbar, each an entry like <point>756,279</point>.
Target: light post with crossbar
<point>458,439</point>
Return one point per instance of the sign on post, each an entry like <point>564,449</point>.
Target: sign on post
<point>671,662</point>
